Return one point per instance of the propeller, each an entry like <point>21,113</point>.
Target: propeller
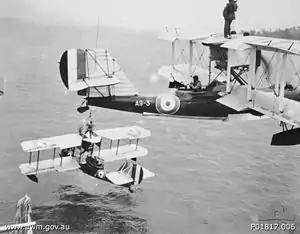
<point>154,78</point>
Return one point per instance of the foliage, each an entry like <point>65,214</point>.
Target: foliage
<point>287,33</point>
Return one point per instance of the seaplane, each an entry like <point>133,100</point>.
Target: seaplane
<point>95,75</point>
<point>227,68</point>
<point>84,152</point>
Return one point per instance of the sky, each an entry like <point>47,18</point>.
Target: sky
<point>156,14</point>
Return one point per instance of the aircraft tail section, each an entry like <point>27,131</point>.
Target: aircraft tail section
<point>129,172</point>
<point>93,72</point>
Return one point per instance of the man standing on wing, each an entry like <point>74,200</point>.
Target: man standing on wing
<point>229,16</point>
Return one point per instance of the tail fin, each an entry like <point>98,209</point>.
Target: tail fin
<point>129,173</point>
<point>135,171</point>
<point>95,70</point>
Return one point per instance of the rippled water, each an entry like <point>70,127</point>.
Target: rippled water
<point>212,177</point>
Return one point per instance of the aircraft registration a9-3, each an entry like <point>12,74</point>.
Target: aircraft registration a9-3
<point>235,70</point>
<point>86,152</point>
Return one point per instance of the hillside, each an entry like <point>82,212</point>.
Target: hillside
<point>287,33</point>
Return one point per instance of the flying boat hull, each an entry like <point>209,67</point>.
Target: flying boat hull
<point>196,106</point>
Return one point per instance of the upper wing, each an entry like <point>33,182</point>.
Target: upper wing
<point>264,43</point>
<point>168,36</point>
<point>133,132</point>
<point>63,141</point>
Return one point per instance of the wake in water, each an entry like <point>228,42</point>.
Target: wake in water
<point>86,213</point>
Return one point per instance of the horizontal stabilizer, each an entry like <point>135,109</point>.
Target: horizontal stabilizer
<point>135,171</point>
<point>122,152</point>
<point>90,83</point>
<point>236,100</point>
<point>289,137</point>
<point>147,173</point>
<point>119,178</point>
<point>58,164</point>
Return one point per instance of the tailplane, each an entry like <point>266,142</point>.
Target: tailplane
<point>94,72</point>
<point>129,172</point>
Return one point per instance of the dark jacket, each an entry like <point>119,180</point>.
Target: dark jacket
<point>229,11</point>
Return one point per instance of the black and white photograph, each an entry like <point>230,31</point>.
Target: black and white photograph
<point>149,117</point>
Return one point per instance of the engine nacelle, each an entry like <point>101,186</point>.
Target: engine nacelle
<point>167,104</point>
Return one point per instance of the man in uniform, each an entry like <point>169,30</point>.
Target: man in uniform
<point>196,84</point>
<point>229,16</point>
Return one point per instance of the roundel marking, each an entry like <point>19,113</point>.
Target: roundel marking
<point>167,104</point>
<point>100,174</point>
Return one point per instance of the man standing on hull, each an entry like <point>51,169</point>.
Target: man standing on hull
<point>229,16</point>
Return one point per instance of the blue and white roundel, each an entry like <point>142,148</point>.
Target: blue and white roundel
<point>167,104</point>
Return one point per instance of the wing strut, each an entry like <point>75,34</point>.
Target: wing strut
<point>252,62</point>
<point>282,83</point>
<point>37,161</point>
<point>190,57</point>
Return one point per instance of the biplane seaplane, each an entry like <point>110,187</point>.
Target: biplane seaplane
<point>96,76</point>
<point>85,152</point>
